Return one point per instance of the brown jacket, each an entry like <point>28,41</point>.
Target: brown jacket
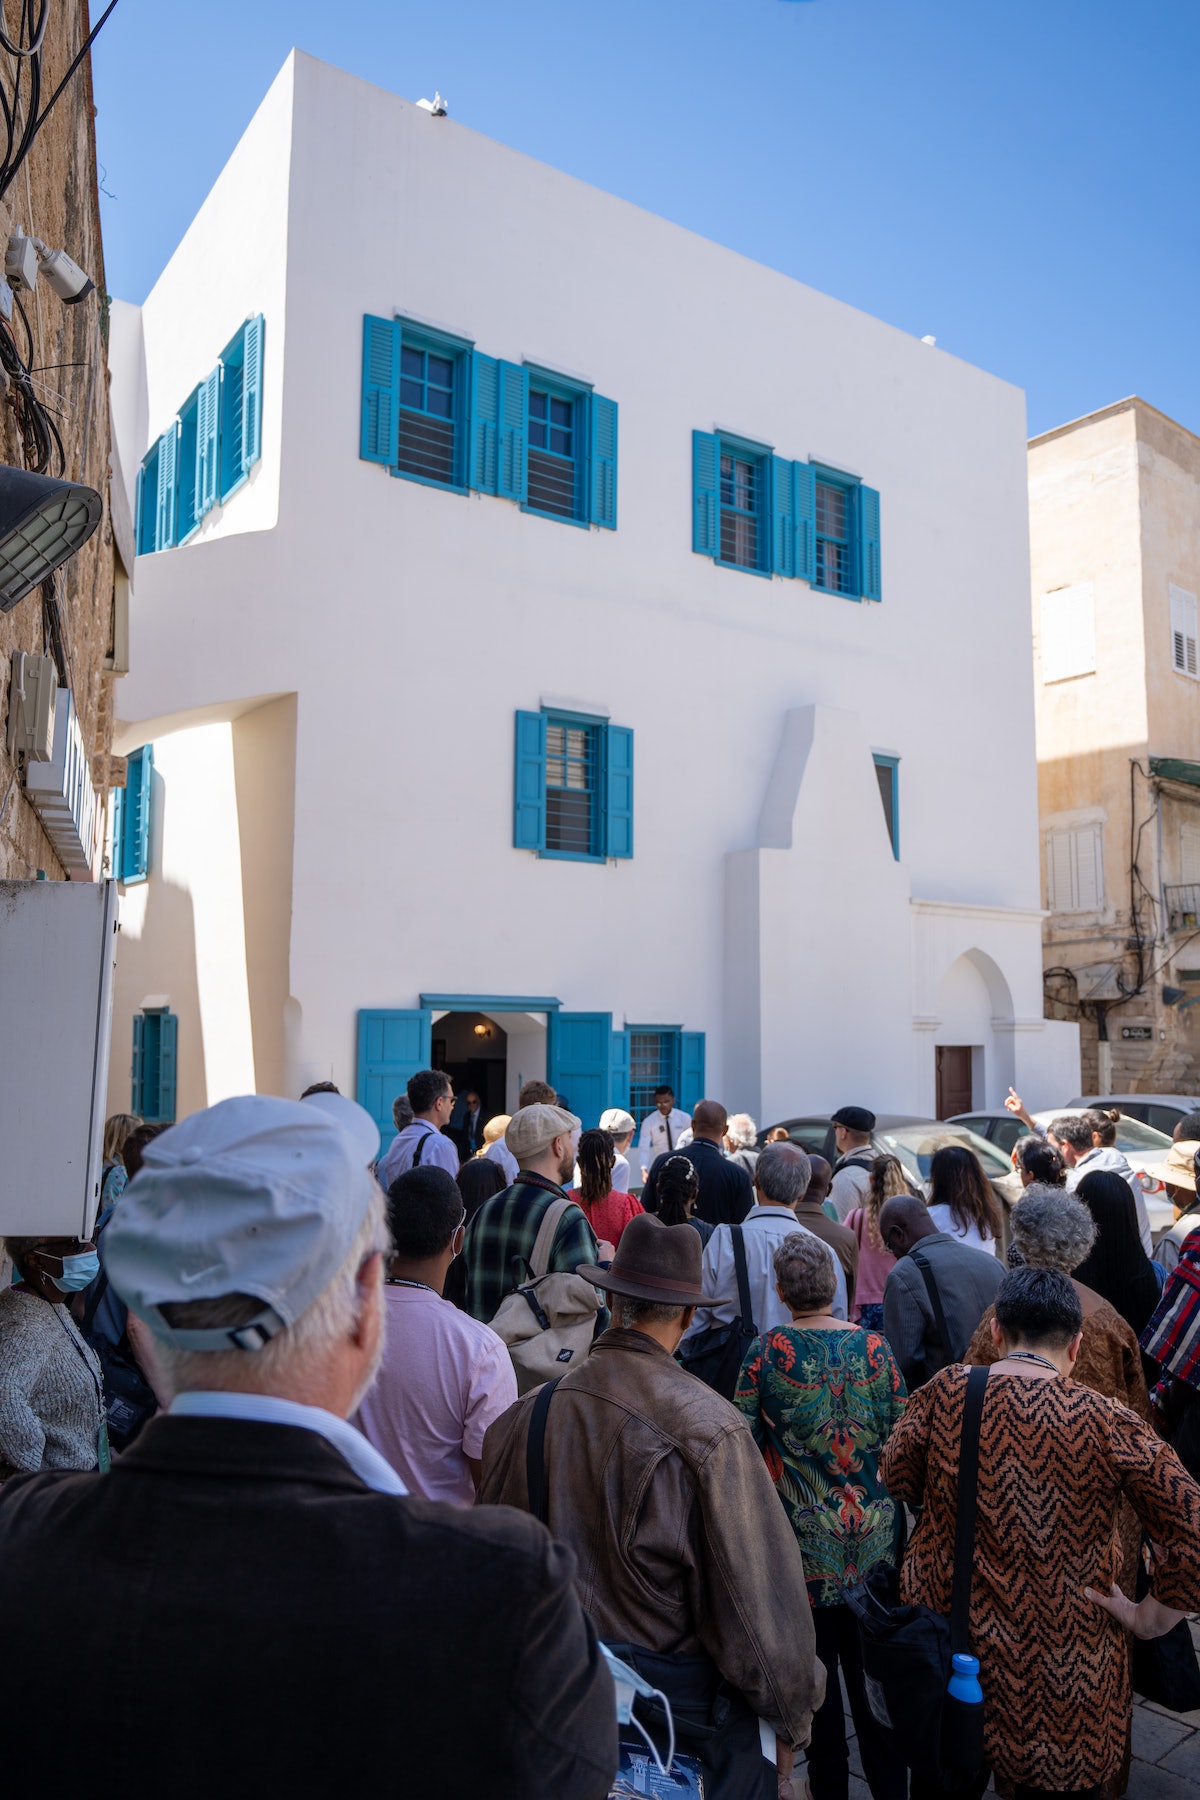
<point>680,1541</point>
<point>841,1240</point>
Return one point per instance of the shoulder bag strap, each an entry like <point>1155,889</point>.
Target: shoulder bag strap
<point>543,1243</point>
<point>964,1512</point>
<point>935,1301</point>
<point>535,1450</point>
<point>745,1304</point>
<point>419,1152</point>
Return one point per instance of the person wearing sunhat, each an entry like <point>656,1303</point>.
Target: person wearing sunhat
<point>684,1556</point>
<point>1177,1172</point>
<point>269,1588</point>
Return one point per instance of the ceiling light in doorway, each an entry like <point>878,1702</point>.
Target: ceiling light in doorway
<point>483,1031</point>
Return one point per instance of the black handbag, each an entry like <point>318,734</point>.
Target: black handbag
<point>716,1355</point>
<point>906,1650</point>
<point>1165,1669</point>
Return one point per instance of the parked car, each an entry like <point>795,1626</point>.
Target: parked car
<point>1163,1111</point>
<point>913,1141</point>
<point>1143,1147</point>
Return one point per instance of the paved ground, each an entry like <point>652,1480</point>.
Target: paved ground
<point>1166,1753</point>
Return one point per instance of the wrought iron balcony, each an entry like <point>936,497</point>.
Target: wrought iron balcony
<point>1183,907</point>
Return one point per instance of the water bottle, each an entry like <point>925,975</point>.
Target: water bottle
<point>962,1716</point>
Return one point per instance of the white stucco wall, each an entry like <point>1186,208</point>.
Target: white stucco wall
<point>411,623</point>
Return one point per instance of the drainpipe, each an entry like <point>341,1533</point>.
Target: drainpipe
<point>1103,1051</point>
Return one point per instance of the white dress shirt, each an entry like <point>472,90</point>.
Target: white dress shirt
<point>653,1139</point>
<point>437,1151</point>
<point>269,1409</point>
<point>763,1230</point>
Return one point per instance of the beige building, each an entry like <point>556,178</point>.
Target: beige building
<point>1114,501</point>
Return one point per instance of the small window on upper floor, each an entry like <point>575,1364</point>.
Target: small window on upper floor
<point>887,773</point>
<point>155,1040</point>
<point>431,411</point>
<point>131,818</point>
<point>836,522</point>
<point>1075,868</point>
<point>553,479</point>
<point>1185,659</point>
<point>742,486</point>
<point>573,793</point>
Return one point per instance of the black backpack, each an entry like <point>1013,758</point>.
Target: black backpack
<point>716,1355</point>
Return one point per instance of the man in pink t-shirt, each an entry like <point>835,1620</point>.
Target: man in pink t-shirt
<point>444,1377</point>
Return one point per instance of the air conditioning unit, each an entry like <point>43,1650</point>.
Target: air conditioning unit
<point>32,704</point>
<point>1098,981</point>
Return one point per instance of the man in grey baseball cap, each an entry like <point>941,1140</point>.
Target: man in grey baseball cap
<point>273,1590</point>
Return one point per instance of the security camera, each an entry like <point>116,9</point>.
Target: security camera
<point>66,277</point>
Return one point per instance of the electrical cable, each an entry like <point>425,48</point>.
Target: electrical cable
<point>38,119</point>
<point>39,33</point>
<point>40,440</point>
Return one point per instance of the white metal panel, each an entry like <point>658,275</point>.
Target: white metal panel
<point>1068,632</point>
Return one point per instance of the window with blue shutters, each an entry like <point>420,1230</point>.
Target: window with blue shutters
<point>131,818</point>
<point>887,773</point>
<point>416,402</point>
<point>240,423</point>
<point>836,535</point>
<point>743,504</point>
<point>653,1062</point>
<point>187,468</point>
<point>573,787</point>
<point>155,1037</point>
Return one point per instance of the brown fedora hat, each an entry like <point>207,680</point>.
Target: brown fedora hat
<point>653,1262</point>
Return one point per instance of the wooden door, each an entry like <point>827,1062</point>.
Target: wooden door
<point>953,1080</point>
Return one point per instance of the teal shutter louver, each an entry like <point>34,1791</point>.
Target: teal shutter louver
<point>579,1060</point>
<point>164,520</point>
<point>483,460</point>
<point>168,1035</point>
<point>870,572</point>
<point>208,422</point>
<point>118,825</point>
<point>706,538</point>
<point>618,791</point>
<point>147,503</point>
<point>804,503</point>
<point>187,468</point>
<point>602,462</point>
<point>783,517</point>
<point>513,410</point>
<point>380,430</point>
<point>691,1069</point>
<point>137,1094</point>
<point>618,1093</point>
<point>529,783</point>
<point>131,852</point>
<point>392,1045</point>
<point>252,376</point>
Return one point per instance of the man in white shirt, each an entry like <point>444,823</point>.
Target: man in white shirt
<point>662,1129</point>
<point>781,1177</point>
<point>423,1143</point>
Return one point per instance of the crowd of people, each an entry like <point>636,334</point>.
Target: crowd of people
<point>375,1457</point>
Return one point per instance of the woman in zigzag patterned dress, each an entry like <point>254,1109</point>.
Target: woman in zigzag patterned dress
<point>1048,1616</point>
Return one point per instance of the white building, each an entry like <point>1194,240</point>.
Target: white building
<point>564,751</point>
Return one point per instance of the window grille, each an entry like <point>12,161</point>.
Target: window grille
<point>552,464</point>
<point>571,785</point>
<point>653,1056</point>
<point>428,392</point>
<point>741,488</point>
<point>835,519</point>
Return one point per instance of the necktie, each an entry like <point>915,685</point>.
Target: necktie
<point>670,1139</point>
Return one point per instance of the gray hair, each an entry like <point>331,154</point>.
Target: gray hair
<point>805,1272</point>
<point>1073,1128</point>
<point>783,1173</point>
<point>1051,1229</point>
<point>742,1129</point>
<point>633,1314</point>
<point>302,1346</point>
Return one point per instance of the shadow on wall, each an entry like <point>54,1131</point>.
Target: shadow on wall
<point>156,958</point>
<point>264,767</point>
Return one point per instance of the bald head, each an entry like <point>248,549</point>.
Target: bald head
<point>904,1221</point>
<point>709,1120</point>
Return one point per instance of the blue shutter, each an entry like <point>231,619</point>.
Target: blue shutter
<point>869,563</point>
<point>603,462</point>
<point>137,1071</point>
<point>252,375</point>
<point>691,1069</point>
<point>208,419</point>
<point>134,861</point>
<point>380,436</point>
<point>529,784</point>
<point>187,466</point>
<point>392,1045</point>
<point>783,517</point>
<point>143,515</point>
<point>804,500</point>
<point>513,410</point>
<point>485,423</point>
<point>706,466</point>
<point>618,791</point>
<point>118,821</point>
<point>168,1033</point>
<point>164,519</point>
<point>618,1092</point>
<point>579,1061</point>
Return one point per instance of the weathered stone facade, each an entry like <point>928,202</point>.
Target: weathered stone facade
<point>55,197</point>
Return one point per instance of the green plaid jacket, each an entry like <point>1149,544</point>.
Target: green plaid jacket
<point>506,1226</point>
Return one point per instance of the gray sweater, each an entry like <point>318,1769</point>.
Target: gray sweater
<point>50,1387</point>
<point>966,1281</point>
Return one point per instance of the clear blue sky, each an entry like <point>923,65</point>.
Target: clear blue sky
<point>1018,178</point>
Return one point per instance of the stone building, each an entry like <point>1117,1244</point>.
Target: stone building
<point>52,813</point>
<point>1114,502</point>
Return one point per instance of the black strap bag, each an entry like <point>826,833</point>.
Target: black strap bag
<point>1165,1669</point>
<point>906,1650</point>
<point>717,1355</point>
<point>954,1352</point>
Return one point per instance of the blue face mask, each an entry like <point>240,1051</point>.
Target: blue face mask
<point>78,1272</point>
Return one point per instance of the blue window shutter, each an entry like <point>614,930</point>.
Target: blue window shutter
<point>208,417</point>
<point>168,1034</point>
<point>618,791</point>
<point>783,517</point>
<point>706,538</point>
<point>618,1093</point>
<point>143,515</point>
<point>118,822</point>
<point>804,500</point>
<point>603,462</point>
<point>869,562</point>
<point>164,527</point>
<point>485,423</point>
<point>134,861</point>
<point>579,1060</point>
<point>513,410</point>
<point>691,1069</point>
<point>137,1070</point>
<point>529,787</point>
<point>252,375</point>
<point>392,1045</point>
<point>380,437</point>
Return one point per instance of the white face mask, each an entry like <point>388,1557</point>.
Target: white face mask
<point>629,1684</point>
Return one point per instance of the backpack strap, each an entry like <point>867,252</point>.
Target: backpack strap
<point>745,1303</point>
<point>543,1243</point>
<point>935,1301</point>
<point>420,1149</point>
<point>964,1512</point>
<point>535,1450</point>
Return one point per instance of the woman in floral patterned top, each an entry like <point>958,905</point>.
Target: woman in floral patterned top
<point>821,1398</point>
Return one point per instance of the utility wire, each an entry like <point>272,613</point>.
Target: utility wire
<point>36,123</point>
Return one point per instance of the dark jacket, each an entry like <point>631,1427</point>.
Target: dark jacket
<point>232,1611</point>
<point>966,1280</point>
<point>812,1215</point>
<point>726,1191</point>
<point>680,1542</point>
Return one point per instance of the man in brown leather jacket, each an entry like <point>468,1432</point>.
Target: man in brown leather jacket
<point>685,1560</point>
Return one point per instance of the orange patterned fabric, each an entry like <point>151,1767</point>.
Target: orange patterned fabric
<point>1055,1462</point>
